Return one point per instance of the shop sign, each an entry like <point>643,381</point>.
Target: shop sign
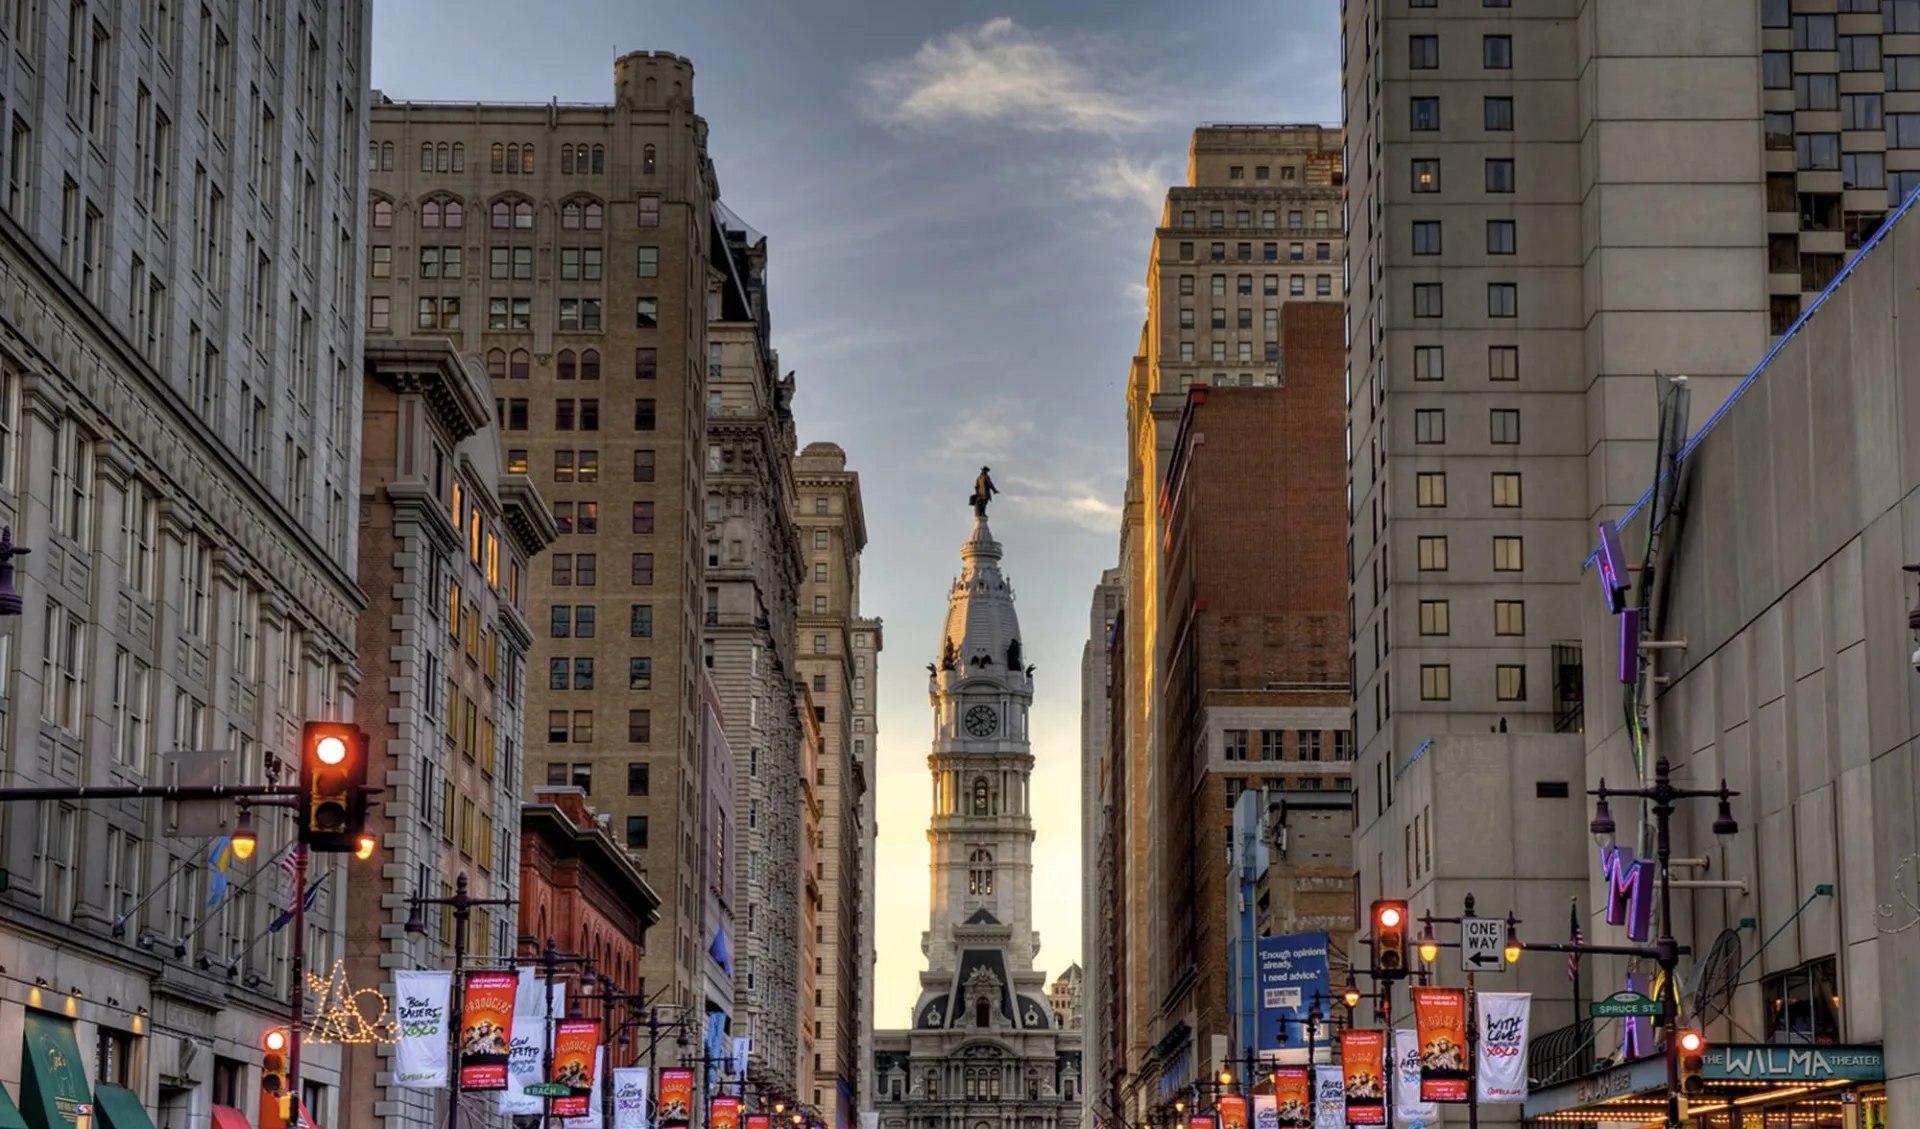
<point>1738,1063</point>
<point>1629,1078</point>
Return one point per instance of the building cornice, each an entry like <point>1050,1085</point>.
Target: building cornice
<point>433,370</point>
<point>525,514</point>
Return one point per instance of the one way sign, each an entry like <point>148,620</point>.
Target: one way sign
<point>1482,949</point>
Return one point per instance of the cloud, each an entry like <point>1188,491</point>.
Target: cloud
<point>999,72</point>
<point>1080,507</point>
<point>987,432</point>
<point>1054,491</point>
<point>1125,178</point>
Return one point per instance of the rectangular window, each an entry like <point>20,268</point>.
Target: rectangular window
<point>1433,554</point>
<point>1500,174</point>
<point>1903,131</point>
<point>1500,237</point>
<point>1503,300</point>
<point>1816,91</point>
<point>1902,73</point>
<point>1434,618</point>
<point>1426,175</point>
<point>1506,489</point>
<point>1423,52</point>
<point>639,726</point>
<point>1813,32</point>
<point>1863,170</point>
<point>1503,362</point>
<point>1508,555</point>
<point>643,568</point>
<point>1496,52</point>
<point>1428,362</point>
<point>1425,114</point>
<point>1427,300</point>
<point>1497,114</point>
<point>1426,237</point>
<point>1776,70</point>
<point>1431,489</point>
<point>1898,17</point>
<point>1430,425</point>
<point>644,416</point>
<point>1857,111</point>
<point>1503,425</point>
<point>1436,682</point>
<point>1510,682</point>
<point>1777,128</point>
<point>1509,617</point>
<point>646,313</point>
<point>1859,52</point>
<point>62,667</point>
<point>637,831</point>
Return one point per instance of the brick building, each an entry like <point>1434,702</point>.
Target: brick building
<point>1250,660</point>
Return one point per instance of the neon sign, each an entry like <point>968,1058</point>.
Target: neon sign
<point>1629,883</point>
<point>1613,568</point>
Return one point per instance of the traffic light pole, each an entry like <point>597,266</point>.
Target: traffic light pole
<point>297,986</point>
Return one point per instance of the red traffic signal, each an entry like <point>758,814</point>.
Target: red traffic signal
<point>1389,938</point>
<point>273,1061</point>
<point>1692,1044</point>
<point>333,785</point>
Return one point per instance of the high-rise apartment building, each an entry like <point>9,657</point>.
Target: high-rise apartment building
<point>570,247</point>
<point>868,641</point>
<point>833,532</point>
<point>753,573</point>
<point>1096,928</point>
<point>180,220</point>
<point>447,542</point>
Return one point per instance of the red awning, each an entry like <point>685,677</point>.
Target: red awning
<point>227,1117</point>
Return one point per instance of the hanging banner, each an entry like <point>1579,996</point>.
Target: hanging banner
<point>1233,1112</point>
<point>529,1049</point>
<point>742,1048</point>
<point>675,1105</point>
<point>630,1097</point>
<point>593,1118</point>
<point>1409,1108</point>
<point>1440,1015</point>
<point>1200,1121</point>
<point>1292,1099</point>
<point>724,1113</point>
<point>1329,1097</point>
<point>758,1121</point>
<point>1503,1044</point>
<point>486,1029</point>
<point>575,1043</point>
<point>1266,1113</point>
<point>1361,1059</point>
<point>1292,971</point>
<point>420,1053</point>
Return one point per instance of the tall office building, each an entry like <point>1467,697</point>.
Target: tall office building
<point>571,249</point>
<point>753,563</point>
<point>833,533</point>
<point>179,449</point>
<point>869,639</point>
<point>1096,928</point>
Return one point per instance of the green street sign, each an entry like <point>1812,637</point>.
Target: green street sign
<point>548,1090</point>
<point>1623,1003</point>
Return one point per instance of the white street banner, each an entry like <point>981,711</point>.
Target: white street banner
<point>420,1054</point>
<point>630,1097</point>
<point>593,1118</point>
<point>1266,1112</point>
<point>527,1052</point>
<point>1408,1109</point>
<point>1329,1097</point>
<point>1503,1045</point>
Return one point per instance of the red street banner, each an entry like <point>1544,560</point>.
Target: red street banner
<point>574,1044</point>
<point>675,1100</point>
<point>1233,1111</point>
<point>1362,1059</point>
<point>724,1113</point>
<point>1440,1018</point>
<point>1293,1096</point>
<point>486,1029</point>
<point>1200,1121</point>
<point>758,1121</point>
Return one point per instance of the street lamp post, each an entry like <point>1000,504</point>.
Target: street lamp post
<point>462,904</point>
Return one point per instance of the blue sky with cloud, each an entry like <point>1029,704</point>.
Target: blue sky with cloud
<point>958,200</point>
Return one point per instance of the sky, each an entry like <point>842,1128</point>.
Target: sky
<point>959,200</point>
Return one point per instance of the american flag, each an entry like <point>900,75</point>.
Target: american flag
<point>287,863</point>
<point>1579,938</point>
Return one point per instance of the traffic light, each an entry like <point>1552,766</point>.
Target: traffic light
<point>1389,939</point>
<point>1693,1062</point>
<point>273,1061</point>
<point>333,786</point>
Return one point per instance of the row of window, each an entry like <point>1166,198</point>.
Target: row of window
<point>1243,318</point>
<point>1509,682</point>
<point>1817,31</point>
<point>1499,174</point>
<point>1509,617</point>
<point>1285,744</point>
<point>577,465</point>
<point>1243,252</point>
<point>1262,172</point>
<point>1503,237</point>
<point>572,315</point>
<point>1243,217</point>
<point>1496,113</point>
<point>1431,489</point>
<point>575,727</point>
<point>579,414</point>
<point>577,264</point>
<point>576,673</point>
<point>1503,300</point>
<point>1496,52</point>
<point>581,570</point>
<point>1503,362</point>
<point>509,213</point>
<point>1234,786</point>
<point>1856,53</point>
<point>1509,554</point>
<point>583,518</point>
<point>1430,425</point>
<point>1243,285</point>
<point>577,621</point>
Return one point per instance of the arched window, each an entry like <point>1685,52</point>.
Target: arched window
<point>519,363</point>
<point>452,214</point>
<point>459,157</point>
<point>382,213</point>
<point>564,364</point>
<point>499,157</point>
<point>599,159</point>
<point>933,1077</point>
<point>497,363</point>
<point>523,216</point>
<point>426,157</point>
<point>502,214</point>
<point>430,213</point>
<point>373,156</point>
<point>982,1012</point>
<point>566,160</point>
<point>386,156</point>
<point>590,365</point>
<point>647,160</point>
<point>980,873</point>
<point>570,215</point>
<point>982,797</point>
<point>652,91</point>
<point>443,157</point>
<point>526,159</point>
<point>513,159</point>
<point>591,216</point>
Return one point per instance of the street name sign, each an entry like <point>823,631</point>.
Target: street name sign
<point>548,1090</point>
<point>1623,1004</point>
<point>1482,948</point>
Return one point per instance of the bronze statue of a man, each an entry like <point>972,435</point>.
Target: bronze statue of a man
<point>983,492</point>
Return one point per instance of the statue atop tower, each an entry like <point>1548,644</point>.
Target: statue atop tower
<point>983,492</point>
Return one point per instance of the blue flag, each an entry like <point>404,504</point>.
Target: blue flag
<point>218,859</point>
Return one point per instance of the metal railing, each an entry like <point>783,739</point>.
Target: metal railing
<point>1561,1056</point>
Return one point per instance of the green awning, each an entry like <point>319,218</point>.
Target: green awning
<point>119,1107</point>
<point>9,1113</point>
<point>53,1075</point>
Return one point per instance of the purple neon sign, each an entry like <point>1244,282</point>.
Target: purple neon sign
<point>1629,883</point>
<point>1613,568</point>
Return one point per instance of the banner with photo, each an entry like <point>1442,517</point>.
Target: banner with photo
<point>1329,1097</point>
<point>724,1112</point>
<point>1503,1044</point>
<point>527,1055</point>
<point>1362,1055</point>
<point>1409,1108</point>
<point>594,1118</point>
<point>630,1097</point>
<point>576,1045</point>
<point>1233,1111</point>
<point>486,1029</point>
<point>420,1054</point>
<point>674,1108</point>
<point>1440,1014</point>
<point>1292,1098</point>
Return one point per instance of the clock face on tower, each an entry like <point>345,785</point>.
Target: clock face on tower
<point>982,721</point>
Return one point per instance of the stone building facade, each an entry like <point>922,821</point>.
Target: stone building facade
<point>984,1047</point>
<point>570,248</point>
<point>181,216</point>
<point>447,542</point>
<point>833,532</point>
<point>868,641</point>
<point>1097,928</point>
<point>752,556</point>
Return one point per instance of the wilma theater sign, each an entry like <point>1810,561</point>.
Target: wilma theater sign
<point>1629,884</point>
<point>1737,1063</point>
